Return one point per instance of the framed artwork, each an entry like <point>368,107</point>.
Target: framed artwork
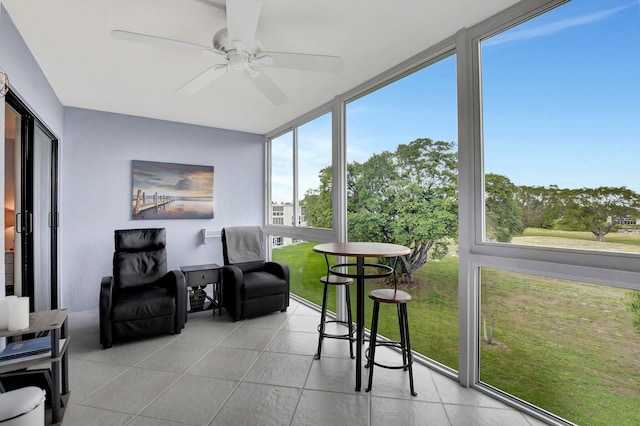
<point>171,191</point>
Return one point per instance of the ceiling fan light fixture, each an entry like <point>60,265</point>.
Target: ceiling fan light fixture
<point>238,61</point>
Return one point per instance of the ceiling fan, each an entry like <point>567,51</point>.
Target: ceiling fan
<point>236,44</point>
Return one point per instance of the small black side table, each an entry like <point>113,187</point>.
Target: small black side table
<point>197,278</point>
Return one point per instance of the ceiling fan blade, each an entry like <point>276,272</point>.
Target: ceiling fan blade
<point>203,79</point>
<point>213,3</point>
<point>301,61</point>
<point>242,20</point>
<point>268,88</point>
<point>161,41</point>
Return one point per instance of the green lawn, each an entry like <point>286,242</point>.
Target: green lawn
<point>567,347</point>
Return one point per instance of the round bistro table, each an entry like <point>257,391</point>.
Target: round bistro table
<point>361,250</point>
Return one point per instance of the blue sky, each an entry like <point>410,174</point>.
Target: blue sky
<point>561,102</point>
<point>562,97</point>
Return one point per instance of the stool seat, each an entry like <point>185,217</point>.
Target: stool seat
<point>335,280</point>
<point>389,295</point>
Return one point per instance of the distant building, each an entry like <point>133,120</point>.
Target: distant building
<point>624,220</point>
<point>283,214</point>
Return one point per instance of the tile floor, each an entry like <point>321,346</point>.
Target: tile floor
<point>255,372</point>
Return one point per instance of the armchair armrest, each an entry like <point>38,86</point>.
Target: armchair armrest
<point>232,283</point>
<point>177,285</point>
<point>175,282</point>
<point>106,298</point>
<point>281,270</point>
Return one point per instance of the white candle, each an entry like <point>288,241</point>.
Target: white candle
<point>4,311</point>
<point>19,314</point>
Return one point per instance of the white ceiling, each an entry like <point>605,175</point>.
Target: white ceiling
<point>88,68</point>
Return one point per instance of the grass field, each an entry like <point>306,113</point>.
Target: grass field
<point>569,348</point>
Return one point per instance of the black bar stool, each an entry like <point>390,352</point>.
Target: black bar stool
<point>400,299</point>
<point>333,281</point>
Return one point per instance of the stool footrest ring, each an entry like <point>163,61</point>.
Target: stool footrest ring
<point>346,336</point>
<point>391,344</point>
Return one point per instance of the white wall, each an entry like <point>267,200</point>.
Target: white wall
<point>96,191</point>
<point>96,150</point>
<point>26,78</point>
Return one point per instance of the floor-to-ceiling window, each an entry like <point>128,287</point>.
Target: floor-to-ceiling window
<point>301,201</point>
<point>402,188</point>
<point>560,104</point>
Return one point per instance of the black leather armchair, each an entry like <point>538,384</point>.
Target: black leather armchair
<point>251,286</point>
<point>141,298</point>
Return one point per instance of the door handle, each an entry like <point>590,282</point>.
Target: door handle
<point>29,228</point>
<point>18,223</point>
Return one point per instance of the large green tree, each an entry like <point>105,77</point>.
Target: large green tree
<point>502,212</point>
<point>426,205</point>
<point>540,206</point>
<point>317,202</point>
<point>598,210</point>
<point>404,197</point>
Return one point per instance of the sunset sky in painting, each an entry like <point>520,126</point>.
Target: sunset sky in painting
<point>177,180</point>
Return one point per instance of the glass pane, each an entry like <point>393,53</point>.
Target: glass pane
<point>561,101</point>
<point>570,348</point>
<point>305,268</point>
<point>11,201</point>
<point>41,214</point>
<point>314,173</point>
<point>282,180</point>
<point>402,189</point>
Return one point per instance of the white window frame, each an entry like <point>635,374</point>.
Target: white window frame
<point>614,269</point>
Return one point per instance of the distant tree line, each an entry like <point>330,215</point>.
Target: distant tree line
<point>511,208</point>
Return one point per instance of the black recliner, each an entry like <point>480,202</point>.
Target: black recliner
<point>141,298</point>
<point>251,286</point>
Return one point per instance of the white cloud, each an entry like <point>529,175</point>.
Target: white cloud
<point>553,27</point>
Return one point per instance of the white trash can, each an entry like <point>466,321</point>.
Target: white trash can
<point>22,407</point>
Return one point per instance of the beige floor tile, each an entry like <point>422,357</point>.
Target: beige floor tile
<point>132,391</point>
<point>79,415</point>
<point>192,399</point>
<point>176,357</point>
<point>149,421</point>
<point>451,392</point>
<point>271,321</point>
<point>226,363</point>
<point>331,409</point>
<point>464,415</point>
<point>280,369</point>
<point>86,377</point>
<point>334,375</point>
<point>303,323</point>
<point>388,411</point>
<point>292,342</point>
<point>270,405</point>
<point>303,310</point>
<point>249,338</point>
<point>126,353</point>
